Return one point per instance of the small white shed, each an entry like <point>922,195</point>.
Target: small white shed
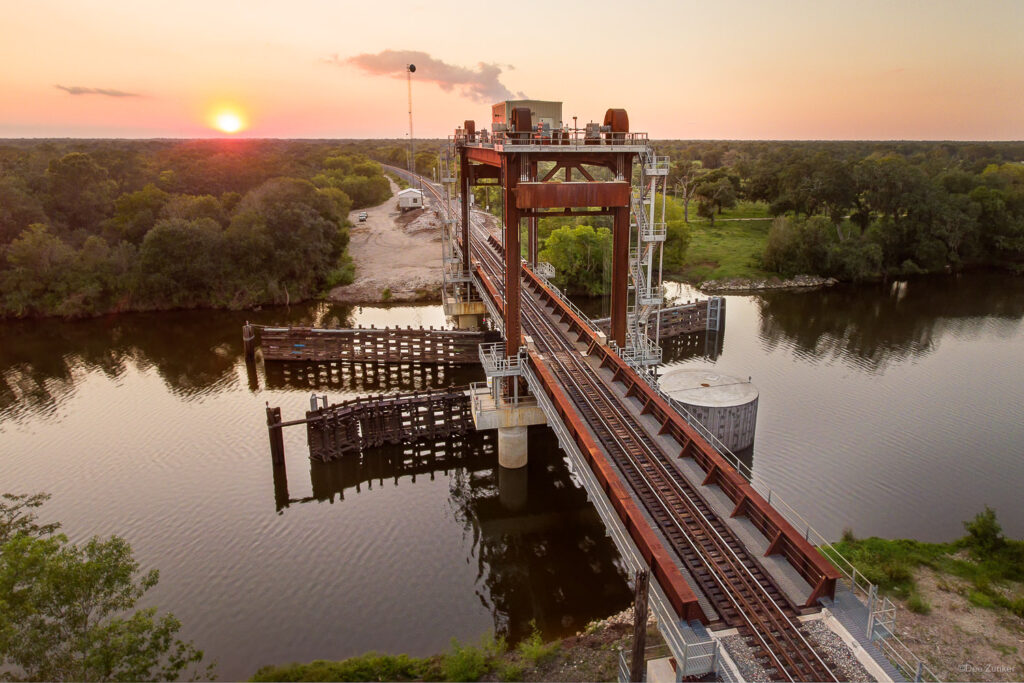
<point>410,198</point>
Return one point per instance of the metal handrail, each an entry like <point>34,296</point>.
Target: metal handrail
<point>475,393</point>
<point>544,270</point>
<point>655,165</point>
<point>496,363</point>
<point>858,582</point>
<point>668,620</point>
<point>559,137</point>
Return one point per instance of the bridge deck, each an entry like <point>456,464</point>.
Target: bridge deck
<point>645,456</point>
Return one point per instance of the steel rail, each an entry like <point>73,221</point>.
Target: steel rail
<point>753,586</point>
<point>756,591</point>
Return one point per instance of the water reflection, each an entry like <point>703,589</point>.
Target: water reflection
<point>682,347</point>
<point>540,549</point>
<point>193,352</point>
<point>357,472</point>
<point>368,378</point>
<point>873,326</point>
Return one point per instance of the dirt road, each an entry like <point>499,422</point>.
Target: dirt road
<point>395,253</point>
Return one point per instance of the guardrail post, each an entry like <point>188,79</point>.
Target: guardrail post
<point>872,594</point>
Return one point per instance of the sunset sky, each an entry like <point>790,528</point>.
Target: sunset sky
<point>333,69</point>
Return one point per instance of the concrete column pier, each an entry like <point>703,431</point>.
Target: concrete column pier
<point>512,489</point>
<point>512,449</point>
<point>467,322</point>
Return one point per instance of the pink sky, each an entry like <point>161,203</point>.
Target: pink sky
<point>694,70</point>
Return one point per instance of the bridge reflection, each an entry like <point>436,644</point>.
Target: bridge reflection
<point>540,548</point>
<point>707,344</point>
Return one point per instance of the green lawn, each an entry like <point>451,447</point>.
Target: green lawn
<point>728,249</point>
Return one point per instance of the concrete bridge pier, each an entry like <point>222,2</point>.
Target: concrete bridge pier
<point>512,450</point>
<point>510,416</point>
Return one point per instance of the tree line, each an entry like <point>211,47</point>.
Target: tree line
<point>93,227</point>
<point>863,210</point>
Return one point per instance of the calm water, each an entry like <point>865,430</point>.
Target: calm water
<point>893,410</point>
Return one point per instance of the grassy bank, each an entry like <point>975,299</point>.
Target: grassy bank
<point>964,600</point>
<point>729,248</point>
<point>588,656</point>
<point>991,564</point>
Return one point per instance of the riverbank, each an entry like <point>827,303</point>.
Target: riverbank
<point>749,284</point>
<point>961,603</point>
<point>591,655</point>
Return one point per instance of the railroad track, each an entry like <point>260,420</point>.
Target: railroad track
<point>741,591</point>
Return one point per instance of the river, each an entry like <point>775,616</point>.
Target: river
<point>889,409</point>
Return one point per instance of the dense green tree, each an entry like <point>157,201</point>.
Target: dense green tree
<point>677,241</point>
<point>68,610</point>
<point>581,256</point>
<point>303,228</point>
<point>426,162</point>
<point>80,192</point>
<point>182,262</point>
<point>36,263</point>
<point>18,209</point>
<point>135,213</point>
<point>714,196</point>
<point>193,207</point>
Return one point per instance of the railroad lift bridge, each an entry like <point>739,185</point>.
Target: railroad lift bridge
<point>720,556</point>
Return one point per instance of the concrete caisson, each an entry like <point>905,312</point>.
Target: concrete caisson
<point>725,405</point>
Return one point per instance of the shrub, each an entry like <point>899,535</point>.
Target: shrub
<point>464,663</point>
<point>512,672</point>
<point>1017,607</point>
<point>916,603</point>
<point>368,667</point>
<point>980,599</point>
<point>534,649</point>
<point>984,534</point>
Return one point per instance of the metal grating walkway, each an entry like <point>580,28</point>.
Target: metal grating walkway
<point>853,615</point>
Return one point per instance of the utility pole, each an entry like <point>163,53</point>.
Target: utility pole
<point>642,581</point>
<point>410,69</point>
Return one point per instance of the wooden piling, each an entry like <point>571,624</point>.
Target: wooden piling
<point>249,342</point>
<point>276,436</point>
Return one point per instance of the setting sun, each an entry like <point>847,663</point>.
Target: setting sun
<point>228,121</point>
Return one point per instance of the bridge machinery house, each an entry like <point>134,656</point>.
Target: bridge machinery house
<point>546,113</point>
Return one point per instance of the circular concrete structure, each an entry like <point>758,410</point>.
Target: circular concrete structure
<point>725,405</point>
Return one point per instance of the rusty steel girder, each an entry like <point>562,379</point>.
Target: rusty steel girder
<point>678,590</point>
<point>783,539</point>
<point>534,195</point>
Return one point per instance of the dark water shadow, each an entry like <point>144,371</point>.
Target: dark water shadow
<point>540,549</point>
